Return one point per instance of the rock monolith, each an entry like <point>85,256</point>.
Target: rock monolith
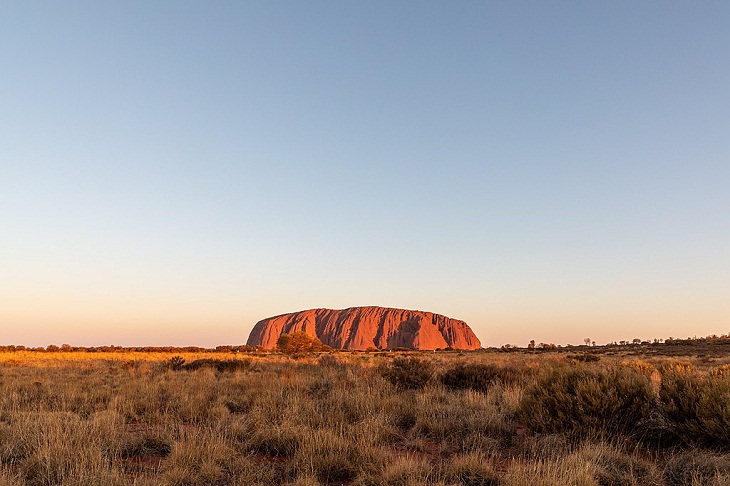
<point>361,328</point>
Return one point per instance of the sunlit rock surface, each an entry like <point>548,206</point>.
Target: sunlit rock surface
<point>368,327</point>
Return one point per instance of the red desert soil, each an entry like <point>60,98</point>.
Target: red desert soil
<point>360,328</point>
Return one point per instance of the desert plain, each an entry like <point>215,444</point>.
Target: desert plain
<point>651,413</point>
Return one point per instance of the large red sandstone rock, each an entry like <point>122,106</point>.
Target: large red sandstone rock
<point>368,327</point>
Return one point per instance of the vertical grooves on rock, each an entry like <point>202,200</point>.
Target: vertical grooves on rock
<point>362,327</point>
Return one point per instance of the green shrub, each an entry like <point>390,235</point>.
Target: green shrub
<point>586,402</point>
<point>477,376</point>
<point>697,407</point>
<point>408,372</point>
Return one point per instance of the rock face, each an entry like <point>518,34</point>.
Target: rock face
<point>368,327</point>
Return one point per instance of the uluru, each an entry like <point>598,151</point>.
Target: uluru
<point>360,328</point>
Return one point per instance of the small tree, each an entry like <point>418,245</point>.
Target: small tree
<point>298,342</point>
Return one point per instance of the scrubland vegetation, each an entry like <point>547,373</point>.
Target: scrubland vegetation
<point>388,418</point>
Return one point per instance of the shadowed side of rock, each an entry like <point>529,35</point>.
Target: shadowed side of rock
<point>361,328</point>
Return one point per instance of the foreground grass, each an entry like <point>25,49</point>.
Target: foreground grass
<point>362,419</point>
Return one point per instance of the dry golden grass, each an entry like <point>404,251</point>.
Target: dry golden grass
<point>142,419</point>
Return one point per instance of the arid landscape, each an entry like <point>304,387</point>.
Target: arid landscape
<point>289,243</point>
<point>641,414</point>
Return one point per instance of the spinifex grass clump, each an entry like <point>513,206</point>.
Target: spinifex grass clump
<point>471,470</point>
<point>697,467</point>
<point>698,407</point>
<point>586,402</point>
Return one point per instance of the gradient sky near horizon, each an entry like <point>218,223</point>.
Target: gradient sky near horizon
<point>173,172</point>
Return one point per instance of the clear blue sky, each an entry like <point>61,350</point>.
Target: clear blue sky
<point>172,172</point>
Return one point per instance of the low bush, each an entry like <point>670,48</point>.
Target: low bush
<point>175,363</point>
<point>478,377</point>
<point>640,365</point>
<point>239,405</point>
<point>677,367</point>
<point>586,402</point>
<point>698,407</point>
<point>723,370</point>
<point>328,361</point>
<point>408,372</point>
<point>583,358</point>
<point>220,365</point>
